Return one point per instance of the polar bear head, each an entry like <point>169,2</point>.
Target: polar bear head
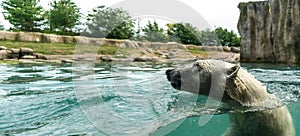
<point>220,80</point>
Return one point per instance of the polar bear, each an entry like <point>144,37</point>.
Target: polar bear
<point>234,86</point>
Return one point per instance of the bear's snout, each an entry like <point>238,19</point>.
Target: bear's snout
<point>174,78</point>
<point>169,71</point>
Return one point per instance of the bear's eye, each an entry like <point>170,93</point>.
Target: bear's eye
<point>199,67</point>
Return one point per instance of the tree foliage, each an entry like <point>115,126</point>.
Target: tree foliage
<point>184,33</point>
<point>227,38</point>
<point>64,16</point>
<point>209,38</point>
<point>153,33</point>
<point>109,23</point>
<point>1,27</point>
<point>122,31</point>
<point>24,15</point>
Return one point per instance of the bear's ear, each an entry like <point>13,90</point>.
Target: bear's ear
<point>232,72</point>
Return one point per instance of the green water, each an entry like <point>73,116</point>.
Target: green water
<point>120,99</point>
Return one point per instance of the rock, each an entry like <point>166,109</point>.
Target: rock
<point>2,48</point>
<point>67,61</point>
<point>171,55</point>
<point>143,52</point>
<point>15,51</point>
<point>149,50</point>
<point>155,45</point>
<point>145,59</point>
<point>53,61</point>
<point>47,61</point>
<point>11,60</point>
<point>4,54</point>
<point>172,43</point>
<point>165,52</point>
<point>218,48</point>
<point>106,58</point>
<point>226,49</point>
<point>40,60</point>
<point>164,56</point>
<point>270,31</point>
<point>208,48</point>
<point>237,58</point>
<point>120,56</point>
<point>10,54</point>
<point>28,57</point>
<point>26,51</point>
<point>28,37</point>
<point>10,36</point>
<point>121,60</point>
<point>131,44</point>
<point>15,56</point>
<point>26,61</point>
<point>199,58</point>
<point>40,56</point>
<point>67,39</point>
<point>159,53</point>
<point>235,50</point>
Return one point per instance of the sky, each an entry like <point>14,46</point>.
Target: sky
<point>217,13</point>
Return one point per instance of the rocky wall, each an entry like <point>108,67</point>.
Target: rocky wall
<point>270,31</point>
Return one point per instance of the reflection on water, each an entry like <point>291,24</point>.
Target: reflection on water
<point>41,100</point>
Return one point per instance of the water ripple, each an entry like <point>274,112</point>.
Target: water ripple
<point>137,98</point>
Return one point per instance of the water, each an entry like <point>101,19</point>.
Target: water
<point>119,99</point>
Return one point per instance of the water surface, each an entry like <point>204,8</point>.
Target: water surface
<point>134,99</point>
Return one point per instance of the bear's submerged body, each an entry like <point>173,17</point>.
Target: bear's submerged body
<point>271,122</point>
<point>234,86</point>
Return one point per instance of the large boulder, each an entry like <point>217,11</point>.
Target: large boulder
<point>2,48</point>
<point>26,51</point>
<point>235,50</point>
<point>145,59</point>
<point>270,31</point>
<point>226,49</point>
<point>15,53</point>
<point>67,61</point>
<point>106,58</point>
<point>4,54</point>
<point>11,36</point>
<point>40,56</point>
<point>28,37</point>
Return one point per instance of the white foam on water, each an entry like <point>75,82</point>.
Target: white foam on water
<point>3,93</point>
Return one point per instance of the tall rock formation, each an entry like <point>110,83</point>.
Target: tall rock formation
<point>270,31</point>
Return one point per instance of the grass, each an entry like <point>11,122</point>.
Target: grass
<point>9,62</point>
<point>108,50</point>
<point>198,52</point>
<point>44,48</point>
<point>57,49</point>
<point>69,49</point>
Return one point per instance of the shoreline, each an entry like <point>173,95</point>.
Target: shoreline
<point>110,50</point>
<point>59,59</point>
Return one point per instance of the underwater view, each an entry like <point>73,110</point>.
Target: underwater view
<point>121,99</point>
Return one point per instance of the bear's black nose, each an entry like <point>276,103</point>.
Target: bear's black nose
<point>168,72</point>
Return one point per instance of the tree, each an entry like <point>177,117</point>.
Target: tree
<point>1,27</point>
<point>209,38</point>
<point>109,23</point>
<point>184,33</point>
<point>24,15</point>
<point>64,16</point>
<point>153,33</point>
<point>122,31</point>
<point>227,38</point>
